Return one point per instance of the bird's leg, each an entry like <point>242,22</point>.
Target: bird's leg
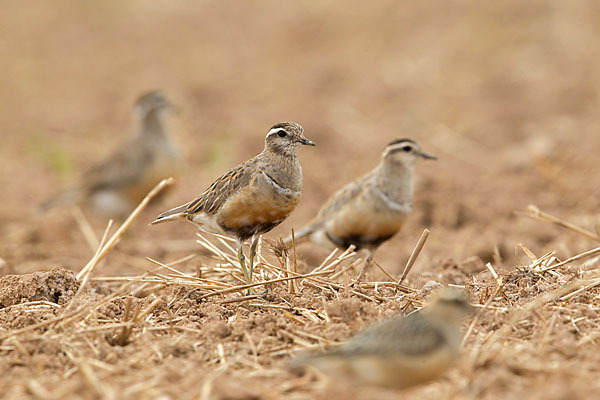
<point>242,259</point>
<point>368,262</point>
<point>253,246</point>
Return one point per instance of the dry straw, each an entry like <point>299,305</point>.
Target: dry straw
<point>508,310</point>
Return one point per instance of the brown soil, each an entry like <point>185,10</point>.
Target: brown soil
<point>56,286</point>
<point>504,93</point>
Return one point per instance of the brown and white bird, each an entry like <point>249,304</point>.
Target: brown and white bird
<point>116,186</point>
<point>370,210</point>
<point>402,351</point>
<point>254,197</point>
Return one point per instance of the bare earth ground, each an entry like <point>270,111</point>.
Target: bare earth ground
<point>504,93</point>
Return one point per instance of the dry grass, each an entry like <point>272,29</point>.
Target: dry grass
<point>522,314</point>
<point>222,284</point>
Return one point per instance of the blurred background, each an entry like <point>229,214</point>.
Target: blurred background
<point>504,93</point>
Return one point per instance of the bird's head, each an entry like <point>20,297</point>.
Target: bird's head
<point>284,138</point>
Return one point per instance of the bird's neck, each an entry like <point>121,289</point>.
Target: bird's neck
<point>280,156</point>
<point>274,150</point>
<point>395,179</point>
<point>448,320</point>
<point>284,167</point>
<point>153,124</point>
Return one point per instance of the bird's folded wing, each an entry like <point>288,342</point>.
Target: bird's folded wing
<point>411,336</point>
<point>341,198</point>
<point>335,202</point>
<point>213,198</point>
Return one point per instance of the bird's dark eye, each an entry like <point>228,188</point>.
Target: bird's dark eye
<point>282,134</point>
<point>407,148</point>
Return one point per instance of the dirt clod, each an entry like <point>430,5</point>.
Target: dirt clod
<point>56,286</point>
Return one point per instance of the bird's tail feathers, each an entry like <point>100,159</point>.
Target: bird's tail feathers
<point>171,215</point>
<point>301,236</point>
<point>325,362</point>
<point>67,197</point>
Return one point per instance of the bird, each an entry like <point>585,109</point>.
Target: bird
<point>114,187</point>
<point>371,209</point>
<point>253,197</point>
<point>402,351</point>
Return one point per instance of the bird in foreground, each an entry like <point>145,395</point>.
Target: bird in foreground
<point>370,210</point>
<point>402,351</point>
<point>114,187</point>
<point>254,197</point>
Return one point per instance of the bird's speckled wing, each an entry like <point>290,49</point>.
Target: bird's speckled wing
<point>342,197</point>
<point>411,336</point>
<point>213,198</point>
<point>335,202</point>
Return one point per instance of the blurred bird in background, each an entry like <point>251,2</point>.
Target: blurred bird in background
<point>403,351</point>
<point>114,187</point>
<point>371,209</point>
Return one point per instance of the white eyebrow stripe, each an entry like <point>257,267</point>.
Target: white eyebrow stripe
<point>398,146</point>
<point>275,130</point>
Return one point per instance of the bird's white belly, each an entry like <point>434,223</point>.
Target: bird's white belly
<point>208,223</point>
<point>110,203</point>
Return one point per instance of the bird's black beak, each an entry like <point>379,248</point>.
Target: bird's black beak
<point>428,156</point>
<point>307,142</point>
